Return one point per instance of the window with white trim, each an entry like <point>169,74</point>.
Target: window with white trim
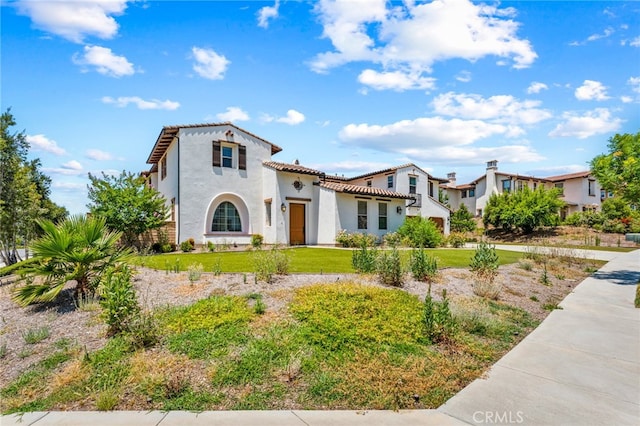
<point>413,183</point>
<point>382,215</point>
<point>506,185</point>
<point>267,208</point>
<point>390,181</point>
<point>362,214</point>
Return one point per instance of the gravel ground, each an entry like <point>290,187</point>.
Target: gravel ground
<point>84,326</point>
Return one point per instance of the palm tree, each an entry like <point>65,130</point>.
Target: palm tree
<point>79,249</point>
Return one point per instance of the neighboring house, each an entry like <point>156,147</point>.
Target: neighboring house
<point>581,191</point>
<point>222,186</point>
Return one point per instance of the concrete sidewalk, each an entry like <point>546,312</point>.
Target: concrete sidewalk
<point>581,366</point>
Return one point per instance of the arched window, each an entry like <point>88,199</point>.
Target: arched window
<point>226,218</point>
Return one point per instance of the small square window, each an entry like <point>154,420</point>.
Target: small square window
<point>472,192</point>
<point>369,184</point>
<point>464,193</point>
<point>227,156</point>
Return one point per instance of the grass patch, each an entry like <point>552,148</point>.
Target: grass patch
<point>36,335</point>
<point>303,260</point>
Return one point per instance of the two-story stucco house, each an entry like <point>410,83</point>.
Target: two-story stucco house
<point>581,191</point>
<point>222,186</point>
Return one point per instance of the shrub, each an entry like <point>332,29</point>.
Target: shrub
<point>439,323</point>
<point>270,262</point>
<point>484,263</point>
<point>211,246</point>
<point>363,260</point>
<point>637,300</point>
<point>423,267</point>
<point>143,330</point>
<point>356,239</point>
<point>195,272</point>
<point>119,302</point>
<point>392,239</point>
<point>420,232</point>
<point>489,289</point>
<point>389,268</point>
<point>462,220</point>
<point>456,240</point>
<point>36,335</point>
<point>186,246</point>
<point>256,241</point>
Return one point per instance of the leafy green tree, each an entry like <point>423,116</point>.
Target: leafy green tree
<point>420,232</point>
<point>24,192</point>
<point>79,249</point>
<point>462,220</point>
<point>524,209</point>
<point>619,171</point>
<point>127,204</point>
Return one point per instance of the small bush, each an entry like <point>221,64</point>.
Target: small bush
<point>256,241</point>
<point>186,246</point>
<point>211,246</point>
<point>456,240</point>
<point>462,220</point>
<point>268,263</point>
<point>4,350</point>
<point>36,335</point>
<point>484,263</point>
<point>525,265</point>
<point>355,239</point>
<point>194,272</point>
<point>119,302</point>
<point>143,330</point>
<point>420,232</point>
<point>489,289</point>
<point>392,239</point>
<point>423,267</point>
<point>637,301</point>
<point>389,268</point>
<point>439,323</point>
<point>363,260</point>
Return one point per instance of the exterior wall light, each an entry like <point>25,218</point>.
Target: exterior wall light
<point>283,207</point>
<point>399,209</point>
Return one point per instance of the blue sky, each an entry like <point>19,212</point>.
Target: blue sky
<point>346,87</point>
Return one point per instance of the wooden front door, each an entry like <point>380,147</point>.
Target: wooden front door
<point>296,224</point>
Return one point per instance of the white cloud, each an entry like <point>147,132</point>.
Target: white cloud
<point>395,80</point>
<point>70,168</point>
<point>606,33</point>
<point>233,114</point>
<point>626,99</point>
<point>42,143</point>
<point>464,76</point>
<point>595,122</point>
<point>69,186</point>
<point>352,168</point>
<point>266,13</point>
<point>292,118</point>
<point>591,90</point>
<point>635,42</point>
<point>536,87</point>
<point>500,109</point>
<point>209,64</point>
<point>414,36</point>
<point>411,136</point>
<point>124,101</point>
<point>557,170</point>
<point>74,20</point>
<point>98,155</point>
<point>104,61</point>
<point>634,82</point>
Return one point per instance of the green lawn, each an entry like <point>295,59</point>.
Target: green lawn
<point>302,260</point>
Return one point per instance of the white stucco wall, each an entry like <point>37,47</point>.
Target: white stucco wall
<point>307,195</point>
<point>328,217</point>
<point>168,186</point>
<point>203,187</point>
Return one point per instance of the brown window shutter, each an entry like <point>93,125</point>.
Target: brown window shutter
<point>242,157</point>
<point>216,154</point>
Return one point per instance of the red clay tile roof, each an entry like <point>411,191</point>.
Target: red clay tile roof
<point>169,132</point>
<point>293,168</point>
<point>576,175</point>
<point>363,190</point>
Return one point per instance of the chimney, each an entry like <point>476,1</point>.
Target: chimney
<point>452,179</point>
<point>493,164</point>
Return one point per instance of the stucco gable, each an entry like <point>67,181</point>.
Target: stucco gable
<point>169,132</point>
